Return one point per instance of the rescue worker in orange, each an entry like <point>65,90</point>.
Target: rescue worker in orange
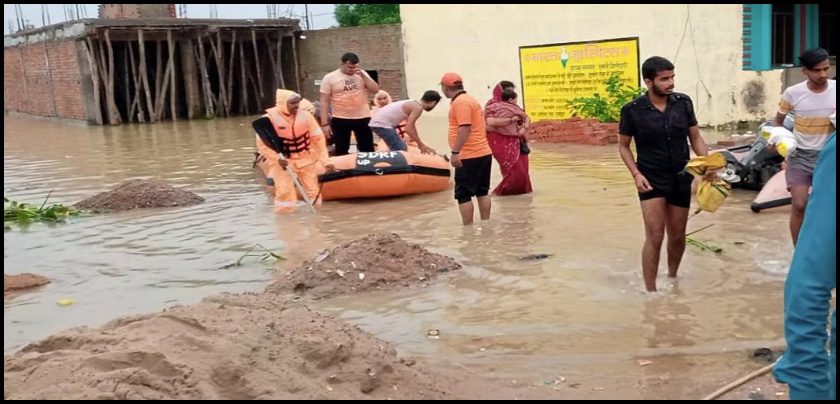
<point>303,147</point>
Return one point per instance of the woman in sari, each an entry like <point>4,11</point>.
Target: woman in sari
<point>507,125</point>
<point>497,92</point>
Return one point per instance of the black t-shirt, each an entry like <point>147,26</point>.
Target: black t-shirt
<point>661,138</point>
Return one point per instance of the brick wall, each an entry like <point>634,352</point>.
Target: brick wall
<point>13,95</point>
<point>66,80</point>
<point>379,47</point>
<point>118,11</point>
<point>32,87</point>
<point>574,130</point>
<point>136,10</point>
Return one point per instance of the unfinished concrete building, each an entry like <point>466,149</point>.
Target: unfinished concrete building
<point>137,11</point>
<point>110,71</point>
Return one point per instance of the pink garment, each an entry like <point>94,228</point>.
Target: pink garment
<point>505,142</point>
<point>513,164</point>
<point>496,108</point>
<point>497,95</point>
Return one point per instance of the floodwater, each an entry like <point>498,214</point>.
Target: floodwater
<point>578,314</point>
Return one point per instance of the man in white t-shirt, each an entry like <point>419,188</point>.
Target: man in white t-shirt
<point>387,119</point>
<point>812,102</point>
<point>346,90</point>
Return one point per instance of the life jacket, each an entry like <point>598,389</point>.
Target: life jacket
<point>295,135</point>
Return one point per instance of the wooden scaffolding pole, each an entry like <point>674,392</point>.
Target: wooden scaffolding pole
<point>171,69</point>
<point>144,76</point>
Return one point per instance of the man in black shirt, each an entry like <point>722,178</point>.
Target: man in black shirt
<point>661,122</point>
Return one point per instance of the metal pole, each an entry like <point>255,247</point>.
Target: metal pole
<point>17,17</point>
<point>21,22</point>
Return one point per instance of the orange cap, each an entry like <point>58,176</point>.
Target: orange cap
<point>451,80</point>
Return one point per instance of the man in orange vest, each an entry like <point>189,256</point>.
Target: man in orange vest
<point>302,146</point>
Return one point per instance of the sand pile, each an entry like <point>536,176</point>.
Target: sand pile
<point>136,194</point>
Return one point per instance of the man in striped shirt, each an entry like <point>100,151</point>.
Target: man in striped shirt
<point>812,102</point>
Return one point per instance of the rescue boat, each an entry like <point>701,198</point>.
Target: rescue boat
<point>378,174</point>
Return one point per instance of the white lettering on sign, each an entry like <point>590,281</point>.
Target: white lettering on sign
<point>377,155</point>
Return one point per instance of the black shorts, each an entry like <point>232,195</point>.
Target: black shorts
<point>473,178</point>
<point>677,198</point>
<point>675,189</point>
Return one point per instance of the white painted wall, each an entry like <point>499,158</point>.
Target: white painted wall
<point>481,42</point>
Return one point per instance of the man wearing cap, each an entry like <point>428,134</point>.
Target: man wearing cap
<point>471,155</point>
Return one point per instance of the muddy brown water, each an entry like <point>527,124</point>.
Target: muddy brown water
<point>577,314</point>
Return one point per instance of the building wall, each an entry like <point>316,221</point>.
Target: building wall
<point>43,79</point>
<point>795,75</point>
<point>136,10</point>
<point>481,42</point>
<point>379,48</point>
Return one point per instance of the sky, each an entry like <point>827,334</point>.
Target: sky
<point>321,15</point>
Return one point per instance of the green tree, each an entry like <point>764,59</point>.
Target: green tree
<point>606,109</point>
<point>354,15</point>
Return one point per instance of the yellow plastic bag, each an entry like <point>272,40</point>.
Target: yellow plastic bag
<point>700,164</point>
<point>781,137</point>
<point>710,193</point>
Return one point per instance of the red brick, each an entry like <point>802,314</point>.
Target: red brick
<point>37,89</point>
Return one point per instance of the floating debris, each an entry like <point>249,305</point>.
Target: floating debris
<point>321,256</point>
<point>704,245</point>
<point>65,302</point>
<point>765,354</point>
<point>265,256</point>
<point>535,257</point>
<point>23,214</point>
<point>553,382</point>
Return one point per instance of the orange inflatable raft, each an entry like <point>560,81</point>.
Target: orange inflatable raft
<point>378,174</point>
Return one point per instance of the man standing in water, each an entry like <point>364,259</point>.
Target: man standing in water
<point>812,103</point>
<point>661,122</point>
<point>346,90</point>
<point>471,155</point>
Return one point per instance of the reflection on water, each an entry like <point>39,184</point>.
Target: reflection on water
<point>582,305</point>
